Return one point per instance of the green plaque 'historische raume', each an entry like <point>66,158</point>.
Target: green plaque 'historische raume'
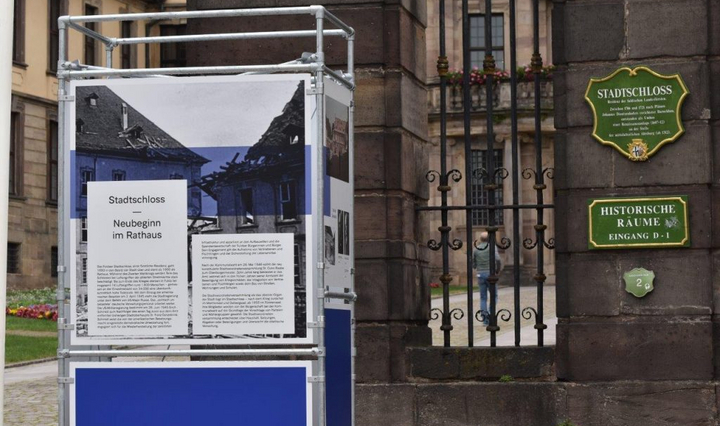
<point>639,222</point>
<point>636,111</point>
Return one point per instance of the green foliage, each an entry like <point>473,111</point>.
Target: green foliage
<point>506,379</point>
<point>26,348</point>
<point>18,298</point>
<point>29,324</point>
<point>566,423</point>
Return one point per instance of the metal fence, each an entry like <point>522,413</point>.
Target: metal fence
<point>490,176</point>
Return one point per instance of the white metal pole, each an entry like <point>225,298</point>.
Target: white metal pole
<point>319,212</point>
<point>6,43</point>
<point>63,312</point>
<point>351,142</point>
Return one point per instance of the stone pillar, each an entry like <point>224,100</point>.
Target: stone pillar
<point>391,156</point>
<point>655,355</point>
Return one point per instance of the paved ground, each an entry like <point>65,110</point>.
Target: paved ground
<point>31,395</point>
<point>506,335</point>
<point>31,392</point>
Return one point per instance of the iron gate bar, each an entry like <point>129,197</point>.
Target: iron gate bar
<point>537,64</point>
<point>442,65</point>
<point>515,183</point>
<point>489,69</point>
<point>467,99</point>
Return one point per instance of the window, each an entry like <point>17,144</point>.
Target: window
<point>288,201</point>
<point>245,207</point>
<point>173,55</point>
<point>478,194</point>
<point>18,47</point>
<point>477,40</point>
<point>52,166</point>
<point>176,176</point>
<point>53,261</point>
<point>86,175</point>
<point>118,175</point>
<point>83,230</point>
<point>84,270</point>
<point>126,50</point>
<point>13,258</point>
<point>16,166</point>
<point>90,43</point>
<point>54,12</point>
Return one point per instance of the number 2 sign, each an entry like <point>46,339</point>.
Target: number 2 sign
<point>639,281</point>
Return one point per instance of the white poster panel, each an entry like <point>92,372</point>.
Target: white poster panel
<point>339,252</point>
<point>139,266</point>
<point>243,284</point>
<point>338,212</point>
<point>240,150</point>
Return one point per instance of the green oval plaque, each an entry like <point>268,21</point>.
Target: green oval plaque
<point>636,111</point>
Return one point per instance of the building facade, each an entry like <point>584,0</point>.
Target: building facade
<point>34,156</point>
<point>501,128</point>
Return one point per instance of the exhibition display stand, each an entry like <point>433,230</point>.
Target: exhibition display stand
<point>206,213</point>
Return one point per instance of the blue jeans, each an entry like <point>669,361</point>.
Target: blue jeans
<point>484,290</point>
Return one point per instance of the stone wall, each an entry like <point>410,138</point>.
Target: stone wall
<point>655,356</point>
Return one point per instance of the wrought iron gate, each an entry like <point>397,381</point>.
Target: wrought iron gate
<point>490,176</point>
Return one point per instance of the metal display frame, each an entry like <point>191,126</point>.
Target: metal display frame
<point>313,63</point>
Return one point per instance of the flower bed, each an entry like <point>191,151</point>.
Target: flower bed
<point>43,312</point>
<point>477,76</point>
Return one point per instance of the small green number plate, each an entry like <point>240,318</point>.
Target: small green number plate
<point>639,281</point>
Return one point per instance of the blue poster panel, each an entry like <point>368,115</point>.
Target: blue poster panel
<point>190,210</point>
<point>271,393</point>
<point>338,364</point>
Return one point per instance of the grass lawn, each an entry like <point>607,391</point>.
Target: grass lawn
<point>26,348</point>
<point>454,289</point>
<point>20,348</point>
<point>28,324</point>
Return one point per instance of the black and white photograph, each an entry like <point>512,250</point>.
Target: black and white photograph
<point>343,233</point>
<point>239,145</point>
<point>329,245</point>
<point>337,142</point>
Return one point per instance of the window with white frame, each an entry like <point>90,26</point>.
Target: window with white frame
<point>86,175</point>
<point>288,201</point>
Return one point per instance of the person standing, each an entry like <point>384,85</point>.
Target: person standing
<point>481,262</point>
